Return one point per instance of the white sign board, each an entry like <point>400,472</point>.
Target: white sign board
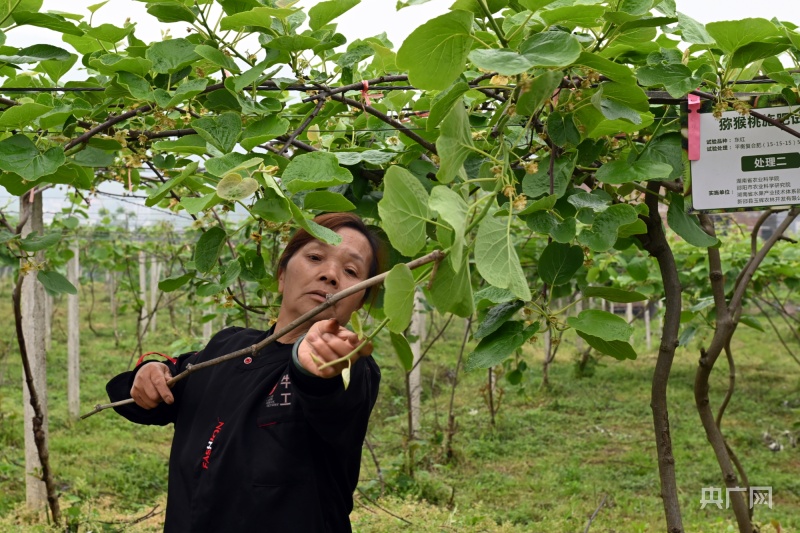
<point>746,162</point>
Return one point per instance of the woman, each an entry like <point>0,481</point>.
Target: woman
<point>271,443</point>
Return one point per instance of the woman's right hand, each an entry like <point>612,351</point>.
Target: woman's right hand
<point>150,386</point>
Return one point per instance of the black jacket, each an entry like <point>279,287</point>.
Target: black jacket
<point>258,445</point>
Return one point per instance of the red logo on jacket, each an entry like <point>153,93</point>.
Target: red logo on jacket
<point>207,454</point>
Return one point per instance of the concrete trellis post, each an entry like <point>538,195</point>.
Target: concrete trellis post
<point>73,339</point>
<point>32,298</point>
<point>416,329</point>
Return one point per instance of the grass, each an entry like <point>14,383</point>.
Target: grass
<point>552,456</point>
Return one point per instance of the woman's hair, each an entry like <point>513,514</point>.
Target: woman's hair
<point>335,221</point>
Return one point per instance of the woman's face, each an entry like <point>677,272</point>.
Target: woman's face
<point>318,269</point>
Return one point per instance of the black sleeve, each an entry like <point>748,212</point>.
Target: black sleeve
<point>119,388</point>
<point>339,416</point>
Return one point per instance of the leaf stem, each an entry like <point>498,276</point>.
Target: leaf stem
<point>358,348</point>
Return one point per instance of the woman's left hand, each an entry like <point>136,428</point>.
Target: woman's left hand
<point>328,341</point>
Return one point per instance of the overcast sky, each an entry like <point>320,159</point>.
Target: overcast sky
<point>369,18</point>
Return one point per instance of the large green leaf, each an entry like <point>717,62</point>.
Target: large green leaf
<point>19,116</point>
<point>55,283</point>
<point>36,53</point>
<point>317,231</point>
<point>191,144</point>
<point>110,33</point>
<point>617,349</point>
<point>263,130</point>
<point>217,57</point>
<point>208,248</point>
<point>452,209</point>
<point>324,12</point>
<point>451,291</point>
<point>163,190</point>
<point>314,171</point>
<point>559,262</point>
<point>18,154</point>
<point>604,231</point>
<point>693,32</point>
<point>497,347</point>
<point>35,242</point>
<point>551,49</point>
<point>176,282</point>
<point>503,61</point>
<point>48,21</point>
<point>171,12</point>
<point>496,317</point>
<point>538,184</point>
<point>222,131</point>
<point>404,210</point>
<point>436,52</point>
<point>398,301</point>
<point>443,102</point>
<point>677,79</point>
<point>618,172</point>
<point>327,201</point>
<point>584,16</point>
<point>403,350</point>
<point>613,294</point>
<point>184,92</point>
<point>454,143</point>
<point>687,226</point>
<point>602,324</point>
<point>753,52</point>
<point>496,258</point>
<point>731,35</point>
<point>234,187</point>
<point>259,16</point>
<point>171,55</point>
<point>606,67</point>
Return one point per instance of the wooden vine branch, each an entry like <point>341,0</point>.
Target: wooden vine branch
<point>436,255</point>
<point>387,119</point>
<point>328,91</point>
<point>38,414</point>
<point>296,133</point>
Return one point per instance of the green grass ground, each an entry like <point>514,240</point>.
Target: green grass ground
<point>551,458</point>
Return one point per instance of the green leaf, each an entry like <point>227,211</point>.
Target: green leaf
<point>404,210</point>
<point>403,350</point>
<point>606,67</point>
<point>222,131</point>
<point>497,347</point>
<point>619,172</point>
<point>613,294</point>
<point>209,289</point>
<point>176,282</point>
<point>36,53</point>
<point>208,249</point>
<point>161,191</point>
<point>454,143</point>
<point>195,205</point>
<point>48,21</point>
<point>617,349</point>
<point>543,204</point>
<point>398,301</point>
<point>585,200</point>
<point>496,257</point>
<point>551,49</point>
<point>217,57</point>
<point>186,91</point>
<point>603,233</point>
<point>171,55</point>
<point>731,35</point>
<point>324,12</point>
<point>503,61</point>
<point>18,116</point>
<point>602,324</point>
<point>109,33</point>
<point>559,262</point>
<point>443,102</point>
<point>190,144</point>
<point>687,226</point>
<point>451,291</point>
<point>375,157</point>
<point>751,321</point>
<point>753,52</point>
<point>18,154</point>
<point>234,187</point>
<point>293,43</point>
<point>677,79</point>
<point>263,130</point>
<point>584,16</point>
<point>693,32</point>
<point>113,63</point>
<point>496,317</point>
<point>171,12</point>
<point>436,52</point>
<point>315,230</point>
<point>327,201</point>
<point>230,274</point>
<point>273,209</point>
<point>562,130</point>
<point>219,166</point>
<point>56,69</point>
<point>54,283</point>
<point>260,17</point>
<point>314,171</point>
<point>536,185</point>
<point>137,86</point>
<point>452,209</point>
<point>538,91</point>
<point>35,242</point>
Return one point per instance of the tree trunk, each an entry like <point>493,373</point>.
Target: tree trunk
<point>155,273</point>
<point>647,333</point>
<point>73,339</point>
<point>417,329</point>
<point>629,318</point>
<point>32,299</point>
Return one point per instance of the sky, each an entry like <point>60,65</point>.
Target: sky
<point>369,18</point>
